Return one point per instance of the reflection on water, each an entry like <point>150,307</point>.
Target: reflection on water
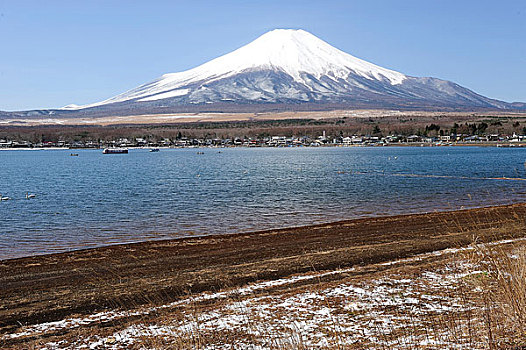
<point>96,199</point>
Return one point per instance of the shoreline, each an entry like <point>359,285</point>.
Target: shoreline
<point>205,236</point>
<point>406,144</point>
<point>50,287</point>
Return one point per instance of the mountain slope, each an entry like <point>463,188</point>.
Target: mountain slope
<point>288,68</point>
<point>267,62</point>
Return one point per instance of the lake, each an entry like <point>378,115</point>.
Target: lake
<point>95,199</point>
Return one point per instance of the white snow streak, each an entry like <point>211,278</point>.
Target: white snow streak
<point>174,93</point>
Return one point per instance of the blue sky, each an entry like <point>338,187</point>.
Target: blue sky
<point>54,53</point>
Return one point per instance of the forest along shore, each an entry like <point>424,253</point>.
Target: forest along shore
<point>51,287</point>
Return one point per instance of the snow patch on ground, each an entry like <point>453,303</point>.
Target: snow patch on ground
<point>360,309</point>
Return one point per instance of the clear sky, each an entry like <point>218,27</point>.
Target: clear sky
<point>53,53</point>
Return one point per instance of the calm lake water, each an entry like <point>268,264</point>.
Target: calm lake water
<point>97,199</point>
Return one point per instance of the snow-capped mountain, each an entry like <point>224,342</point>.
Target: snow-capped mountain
<point>281,64</point>
<point>291,68</point>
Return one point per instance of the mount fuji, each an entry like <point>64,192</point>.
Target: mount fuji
<point>288,69</point>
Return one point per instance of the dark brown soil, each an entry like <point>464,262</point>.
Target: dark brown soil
<point>51,287</point>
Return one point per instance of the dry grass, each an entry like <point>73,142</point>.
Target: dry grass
<point>483,293</point>
<point>466,298</point>
<point>469,299</point>
<point>503,286</point>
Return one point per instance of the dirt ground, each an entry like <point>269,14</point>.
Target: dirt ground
<point>52,287</point>
<point>233,117</point>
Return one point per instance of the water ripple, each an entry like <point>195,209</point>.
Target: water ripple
<point>96,199</point>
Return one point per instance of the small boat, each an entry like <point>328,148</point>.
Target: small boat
<point>30,195</point>
<point>200,152</point>
<point>74,154</point>
<point>115,151</point>
<point>4,198</point>
<point>154,150</point>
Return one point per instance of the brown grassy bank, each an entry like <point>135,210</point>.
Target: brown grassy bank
<point>51,287</point>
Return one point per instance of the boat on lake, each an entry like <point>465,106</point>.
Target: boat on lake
<point>154,150</point>
<point>115,151</point>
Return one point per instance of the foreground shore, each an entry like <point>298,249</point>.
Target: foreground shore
<point>52,287</point>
